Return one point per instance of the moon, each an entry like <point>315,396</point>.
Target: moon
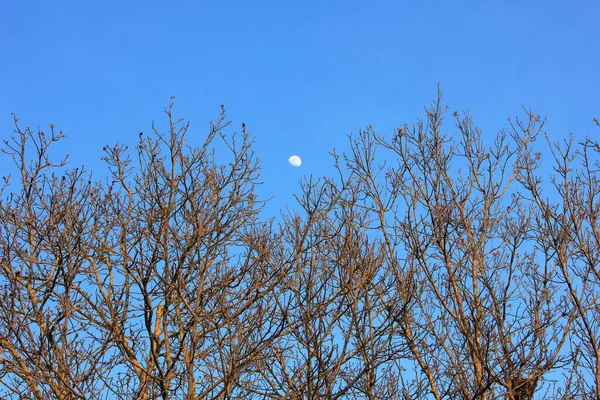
<point>295,161</point>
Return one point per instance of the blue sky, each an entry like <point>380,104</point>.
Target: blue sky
<point>301,74</point>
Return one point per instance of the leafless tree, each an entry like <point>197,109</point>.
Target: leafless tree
<point>434,264</point>
<point>567,227</point>
<point>46,349</point>
<point>489,320</point>
<point>337,301</point>
<point>157,282</point>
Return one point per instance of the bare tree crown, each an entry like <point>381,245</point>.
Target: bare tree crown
<point>437,263</point>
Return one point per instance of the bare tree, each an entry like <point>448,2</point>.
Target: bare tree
<point>46,348</point>
<point>343,342</point>
<point>194,266</point>
<point>157,282</point>
<point>489,319</point>
<point>433,265</point>
<point>567,227</point>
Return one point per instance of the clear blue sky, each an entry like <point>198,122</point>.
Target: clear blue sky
<point>300,74</point>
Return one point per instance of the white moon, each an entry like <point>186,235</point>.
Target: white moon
<point>295,161</point>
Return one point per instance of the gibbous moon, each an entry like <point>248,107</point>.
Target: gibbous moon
<point>295,161</point>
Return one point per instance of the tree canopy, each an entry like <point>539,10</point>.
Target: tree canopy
<point>438,262</point>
